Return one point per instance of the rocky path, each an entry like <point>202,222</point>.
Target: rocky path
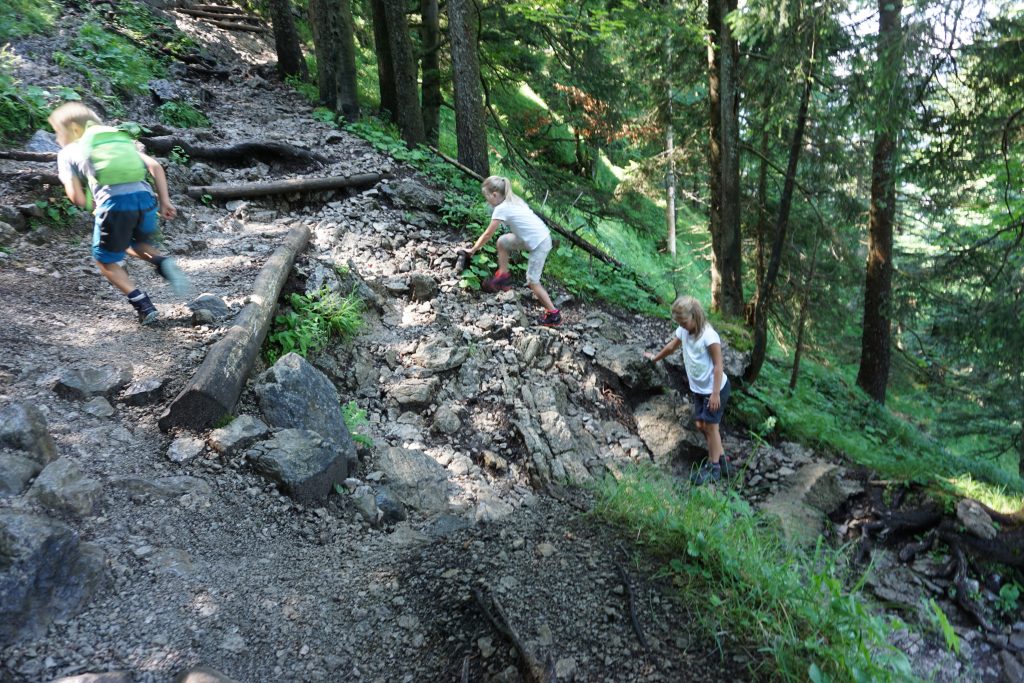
<point>175,553</point>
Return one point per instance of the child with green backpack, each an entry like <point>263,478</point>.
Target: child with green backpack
<point>102,171</point>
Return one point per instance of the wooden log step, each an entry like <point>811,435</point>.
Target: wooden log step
<point>249,190</point>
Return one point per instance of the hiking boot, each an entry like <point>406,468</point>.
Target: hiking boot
<point>145,308</point>
<point>728,469</point>
<point>501,282</point>
<point>550,319</point>
<point>708,472</point>
<point>170,272</point>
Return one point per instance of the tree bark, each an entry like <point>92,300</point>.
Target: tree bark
<point>385,64</point>
<point>470,128</point>
<point>875,354</point>
<point>408,114</point>
<point>227,191</point>
<point>767,288</point>
<point>430,69</point>
<point>334,38</point>
<point>670,152</point>
<point>286,40</point>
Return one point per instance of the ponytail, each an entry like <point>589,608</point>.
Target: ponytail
<point>501,185</point>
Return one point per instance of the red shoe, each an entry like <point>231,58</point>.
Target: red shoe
<point>501,282</point>
<point>550,319</point>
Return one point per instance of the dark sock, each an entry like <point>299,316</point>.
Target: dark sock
<point>156,261</point>
<point>136,295</point>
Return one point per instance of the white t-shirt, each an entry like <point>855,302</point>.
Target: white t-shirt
<point>522,221</point>
<point>700,368</point>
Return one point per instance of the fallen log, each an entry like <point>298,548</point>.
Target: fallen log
<point>222,9</point>
<point>266,151</point>
<point>215,387</point>
<point>18,155</point>
<point>248,190</point>
<point>205,14</point>
<point>237,26</point>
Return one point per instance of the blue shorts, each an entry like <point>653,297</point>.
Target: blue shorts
<point>122,222</point>
<point>700,406</point>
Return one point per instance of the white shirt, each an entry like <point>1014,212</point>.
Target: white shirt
<point>700,368</point>
<point>522,221</point>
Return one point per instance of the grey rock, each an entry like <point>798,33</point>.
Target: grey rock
<point>32,210</point>
<point>391,508</point>
<point>84,383</point>
<point>201,674</point>
<point>423,286</point>
<point>23,428</point>
<point>415,478</point>
<point>439,355</point>
<point>446,420</point>
<point>243,431</point>
<point>212,303</point>
<point>294,394</point>
<point>628,365</point>
<point>46,574</point>
<point>143,392</point>
<point>975,519</point>
<point>42,141</point>
<point>304,464</point>
<point>163,91</point>
<point>366,504</point>
<point>410,194</point>
<point>98,407</point>
<point>1013,669</point>
<point>13,217</point>
<point>661,424</point>
<point>414,392</point>
<point>62,487</point>
<point>202,316</point>
<point>16,472</point>
<point>801,505</point>
<point>105,677</point>
<point>445,525</point>
<point>162,487</point>
<point>8,235</point>
<point>185,448</point>
<point>173,562</point>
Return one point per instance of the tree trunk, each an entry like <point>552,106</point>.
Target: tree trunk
<point>286,40</point>
<point>430,69</point>
<point>766,289</point>
<point>470,128</point>
<point>408,114</point>
<point>761,224</point>
<point>670,150</point>
<point>875,354</point>
<point>715,147</point>
<point>805,302</point>
<point>385,64</point>
<point>334,38</point>
<point>728,257</point>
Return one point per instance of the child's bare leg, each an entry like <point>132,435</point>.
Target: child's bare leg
<point>117,276</point>
<point>541,294</point>
<point>143,251</point>
<point>714,438</point>
<point>502,257</point>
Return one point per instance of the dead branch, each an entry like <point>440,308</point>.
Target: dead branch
<point>531,669</point>
<point>18,155</point>
<point>204,14</point>
<point>237,26</point>
<point>28,178</point>
<point>632,607</point>
<point>248,190</point>
<point>222,9</point>
<point>267,151</point>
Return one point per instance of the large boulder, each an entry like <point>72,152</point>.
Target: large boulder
<point>409,194</point>
<point>23,428</point>
<point>45,574</point>
<point>663,424</point>
<point>302,462</point>
<point>806,498</point>
<point>295,395</point>
<point>414,392</point>
<point>415,478</point>
<point>62,487</point>
<point>243,431</point>
<point>627,364</point>
<point>16,472</point>
<point>83,383</point>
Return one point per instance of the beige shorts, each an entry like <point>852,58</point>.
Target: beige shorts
<point>535,264</point>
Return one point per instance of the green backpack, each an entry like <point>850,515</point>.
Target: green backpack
<point>113,158</point>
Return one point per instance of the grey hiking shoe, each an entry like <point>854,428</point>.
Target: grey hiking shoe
<point>170,272</point>
<point>708,472</point>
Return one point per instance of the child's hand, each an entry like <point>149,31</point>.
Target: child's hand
<point>168,211</point>
<point>714,401</point>
<point>648,355</point>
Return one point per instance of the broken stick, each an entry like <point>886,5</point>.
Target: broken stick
<point>248,190</point>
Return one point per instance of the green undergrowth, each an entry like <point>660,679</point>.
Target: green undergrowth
<point>19,18</point>
<point>830,413</point>
<point>793,609</point>
<point>311,321</point>
<point>182,115</point>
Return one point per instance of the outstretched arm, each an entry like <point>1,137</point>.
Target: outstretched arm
<point>167,209</point>
<point>666,350</point>
<point>485,237</point>
<point>75,192</point>
<point>715,351</point>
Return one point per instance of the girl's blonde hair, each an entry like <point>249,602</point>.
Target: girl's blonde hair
<point>70,113</point>
<point>688,308</point>
<point>501,185</point>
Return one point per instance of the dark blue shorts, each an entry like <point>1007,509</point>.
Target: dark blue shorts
<point>700,406</point>
<point>122,222</point>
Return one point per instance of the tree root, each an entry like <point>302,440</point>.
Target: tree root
<point>531,670</point>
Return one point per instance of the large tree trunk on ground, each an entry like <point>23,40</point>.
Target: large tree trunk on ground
<point>334,37</point>
<point>407,113</point>
<point>214,390</point>
<point>246,190</point>
<point>385,63</point>
<point>727,260</point>
<point>430,69</point>
<point>286,40</point>
<point>875,354</point>
<point>470,127</point>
